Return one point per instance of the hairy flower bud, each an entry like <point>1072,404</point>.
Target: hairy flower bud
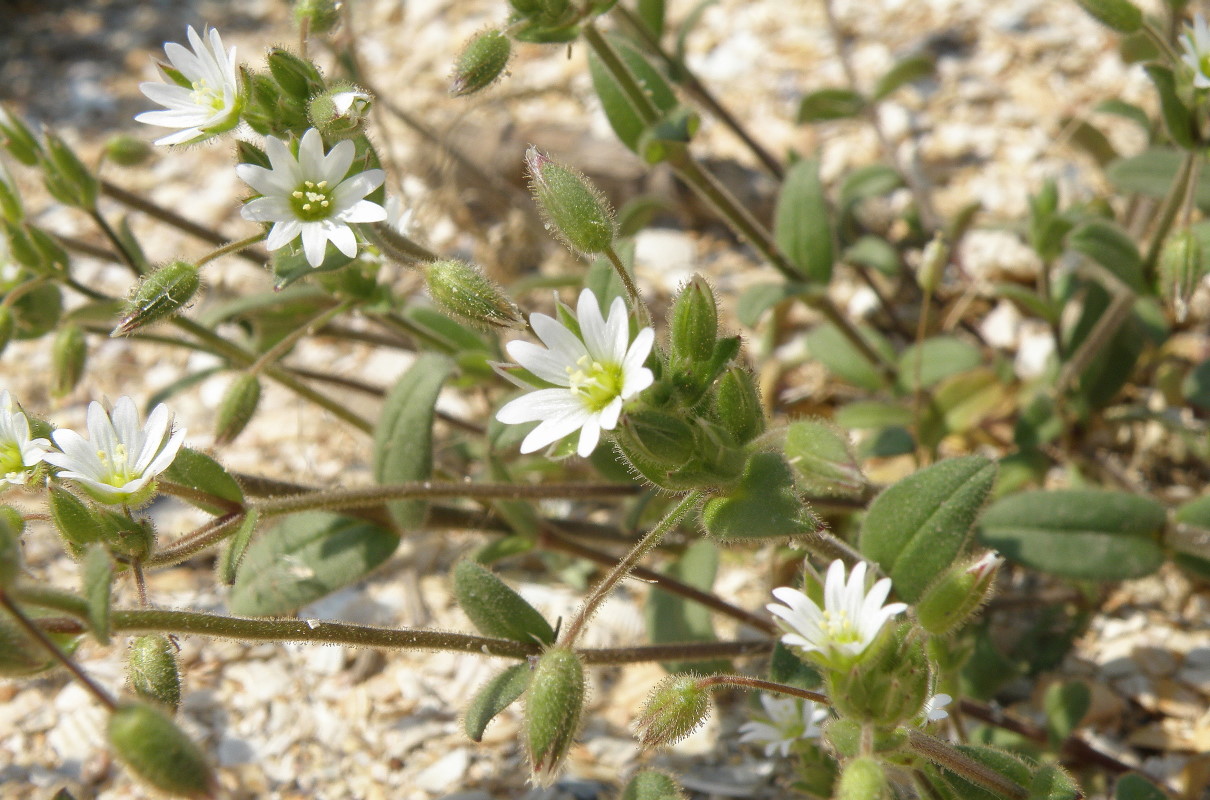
<point>958,594</point>
<point>152,670</point>
<point>18,140</point>
<point>160,295</point>
<point>66,177</point>
<point>126,150</point>
<point>573,208</point>
<point>68,356</point>
<point>554,703</point>
<point>481,62</point>
<point>675,709</point>
<point>1122,16</point>
<point>1182,266</point>
<point>320,16</point>
<point>158,752</point>
<point>341,111</point>
<point>299,78</point>
<point>861,779</point>
<point>652,785</point>
<point>932,264</point>
<point>237,408</point>
<point>462,291</point>
<point>737,405</point>
<point>693,325</point>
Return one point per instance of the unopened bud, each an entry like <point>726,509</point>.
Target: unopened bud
<point>861,779</point>
<point>693,324</point>
<point>152,670</point>
<point>495,609</point>
<point>481,62</point>
<point>933,261</point>
<point>1120,15</point>
<point>958,594</point>
<point>573,208</point>
<point>158,752</point>
<point>737,405</point>
<point>10,200</point>
<point>462,291</point>
<point>161,294</point>
<point>320,16</point>
<point>652,785</point>
<point>18,140</point>
<point>66,177</point>
<point>341,111</point>
<point>68,356</point>
<point>10,545</point>
<point>675,709</point>
<point>8,325</point>
<point>237,408</point>
<point>554,703</point>
<point>299,78</point>
<point>126,150</point>
<point>1182,266</point>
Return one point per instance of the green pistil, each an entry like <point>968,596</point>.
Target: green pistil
<point>597,383</point>
<point>312,201</point>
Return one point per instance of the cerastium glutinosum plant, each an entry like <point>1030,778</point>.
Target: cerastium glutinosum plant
<point>663,415</point>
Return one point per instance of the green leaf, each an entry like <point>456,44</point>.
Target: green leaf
<point>1008,765</point>
<point>1052,782</point>
<point>873,414</point>
<point>1065,704</point>
<point>920,525</point>
<point>822,458</point>
<point>1133,786</point>
<point>199,471</point>
<point>651,12</point>
<point>1086,534</point>
<point>873,180</point>
<point>787,668</point>
<point>1027,300</point>
<point>760,297</point>
<point>966,400</point>
<point>403,440</point>
<point>939,358</point>
<point>233,553</point>
<point>829,104</point>
<point>626,122</point>
<point>495,609</point>
<point>1152,173</point>
<point>801,225</point>
<point>829,346</point>
<point>1111,247</point>
<point>290,264</point>
<point>672,618</point>
<point>96,570</point>
<point>496,695</point>
<point>1088,138</point>
<point>1121,108</point>
<point>1196,386</point>
<point>1177,118</point>
<point>76,523</point>
<point>306,557</point>
<point>905,71</point>
<point>763,505</point>
<point>875,253</point>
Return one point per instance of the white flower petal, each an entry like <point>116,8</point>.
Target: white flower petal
<point>315,242</point>
<point>283,233</point>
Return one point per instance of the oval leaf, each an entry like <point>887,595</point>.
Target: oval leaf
<point>762,505</point>
<point>829,104</point>
<point>96,570</point>
<point>622,117</point>
<point>496,695</point>
<point>495,609</point>
<point>201,472</point>
<point>801,225</point>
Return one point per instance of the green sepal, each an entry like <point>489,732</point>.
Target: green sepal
<point>763,505</point>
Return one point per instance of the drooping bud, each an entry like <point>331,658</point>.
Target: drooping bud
<point>341,111</point>
<point>675,709</point>
<point>652,785</point>
<point>158,752</point>
<point>573,208</point>
<point>494,608</point>
<point>161,294</point>
<point>320,16</point>
<point>932,264</point>
<point>66,177</point>
<point>861,779</point>
<point>10,545</point>
<point>462,291</point>
<point>68,356</point>
<point>958,594</point>
<point>554,703</point>
<point>1122,16</point>
<point>1182,266</point>
<point>237,408</point>
<point>8,325</point>
<point>152,670</point>
<point>299,78</point>
<point>126,150</point>
<point>481,62</point>
<point>693,324</point>
<point>18,140</point>
<point>737,405</point>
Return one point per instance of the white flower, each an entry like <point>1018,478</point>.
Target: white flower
<point>310,196</point>
<point>201,94</point>
<point>849,621</point>
<point>592,375</point>
<point>934,707</point>
<point>790,720</point>
<point>352,100</point>
<point>1196,55</point>
<point>19,454</point>
<point>120,459</point>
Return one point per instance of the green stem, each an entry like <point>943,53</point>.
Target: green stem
<point>125,255</point>
<point>270,356</point>
<point>640,308</point>
<point>744,682</point>
<point>398,246</point>
<point>824,305</point>
<point>230,247</point>
<point>945,755</point>
<point>1172,206</point>
<point>196,541</point>
<point>623,568</point>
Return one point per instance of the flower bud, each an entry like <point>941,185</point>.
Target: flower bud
<point>10,545</point>
<point>933,260</point>
<point>68,356</point>
<point>462,291</point>
<point>658,438</point>
<point>675,709</point>
<point>341,111</point>
<point>126,150</point>
<point>18,140</point>
<point>495,609</point>
<point>861,779</point>
<point>296,76</point>
<point>10,200</point>
<point>693,324</point>
<point>1182,266</point>
<point>152,670</point>
<point>652,785</point>
<point>958,594</point>
<point>8,325</point>
<point>573,208</point>
<point>126,537</point>
<point>554,703</point>
<point>66,177</point>
<point>158,752</point>
<point>1122,16</point>
<point>320,16</point>
<point>237,408</point>
<point>160,295</point>
<point>481,62</point>
<point>737,405</point>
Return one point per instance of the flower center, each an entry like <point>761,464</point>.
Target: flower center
<point>11,462</point>
<point>204,94</point>
<point>839,628</point>
<point>596,383</point>
<point>312,201</point>
<point>1203,64</point>
<point>117,467</point>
